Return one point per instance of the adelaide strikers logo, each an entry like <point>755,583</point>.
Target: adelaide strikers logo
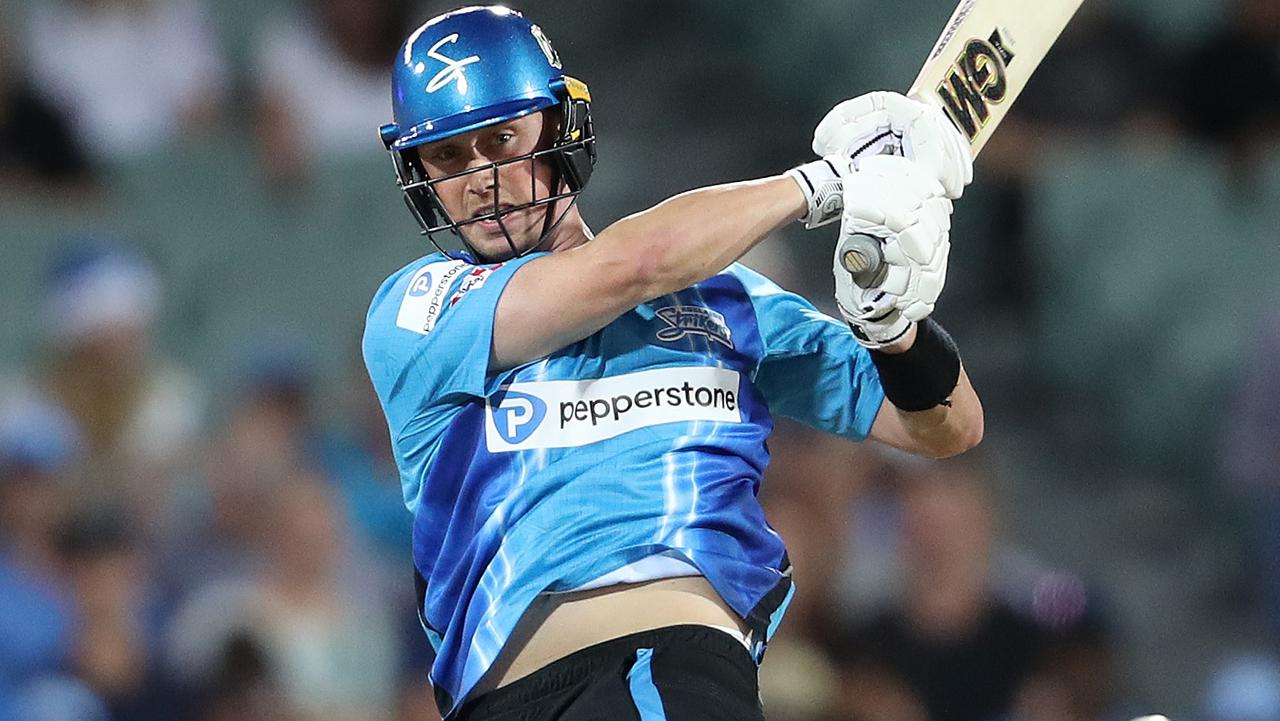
<point>452,71</point>
<point>686,320</point>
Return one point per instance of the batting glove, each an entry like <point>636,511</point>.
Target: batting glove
<point>902,206</point>
<point>885,123</point>
<point>873,125</point>
<point>822,188</point>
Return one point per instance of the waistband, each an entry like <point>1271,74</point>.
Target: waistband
<point>579,666</point>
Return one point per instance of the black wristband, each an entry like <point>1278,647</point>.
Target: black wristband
<point>924,376</point>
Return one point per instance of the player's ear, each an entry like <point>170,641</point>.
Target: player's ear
<point>552,126</point>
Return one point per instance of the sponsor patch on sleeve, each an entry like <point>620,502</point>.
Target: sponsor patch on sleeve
<point>472,281</point>
<point>427,294</point>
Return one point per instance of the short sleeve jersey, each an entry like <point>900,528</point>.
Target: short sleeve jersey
<point>634,453</point>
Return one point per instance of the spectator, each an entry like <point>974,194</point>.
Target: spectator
<point>1251,468</point>
<point>38,148</point>
<point>1102,76</point>
<point>1079,674</point>
<point>332,109</point>
<point>55,697</point>
<point>271,439</point>
<point>357,456</point>
<point>331,631</point>
<point>224,524</point>
<point>244,687</point>
<point>798,680</point>
<point>1231,82</point>
<point>140,414</point>
<point>116,621</point>
<point>322,626</point>
<point>808,495</point>
<point>37,445</point>
<point>952,650</point>
<point>136,75</point>
<point>1245,688</point>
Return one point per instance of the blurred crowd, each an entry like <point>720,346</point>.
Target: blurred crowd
<point>156,565</point>
<point>146,74</point>
<point>185,547</point>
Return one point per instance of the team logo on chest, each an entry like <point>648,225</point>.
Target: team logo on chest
<point>680,321</point>
<point>452,71</point>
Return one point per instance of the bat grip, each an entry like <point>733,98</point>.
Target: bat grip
<point>862,256</point>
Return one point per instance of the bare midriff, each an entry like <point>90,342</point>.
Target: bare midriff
<point>575,621</point>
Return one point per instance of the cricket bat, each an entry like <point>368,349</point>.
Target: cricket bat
<point>976,71</point>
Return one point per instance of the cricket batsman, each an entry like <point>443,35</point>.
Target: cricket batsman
<point>580,419</point>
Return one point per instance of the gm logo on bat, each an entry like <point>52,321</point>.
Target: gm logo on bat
<point>978,77</point>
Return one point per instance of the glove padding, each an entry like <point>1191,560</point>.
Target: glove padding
<point>902,205</point>
<point>885,123</point>
<point>875,321</point>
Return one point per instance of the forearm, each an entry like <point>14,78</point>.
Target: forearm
<point>695,235</point>
<point>930,408</point>
<point>943,430</point>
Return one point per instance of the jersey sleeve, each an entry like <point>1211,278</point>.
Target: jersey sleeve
<point>812,370</point>
<point>429,333</point>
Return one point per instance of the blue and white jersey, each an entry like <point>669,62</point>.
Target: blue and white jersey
<point>635,453</point>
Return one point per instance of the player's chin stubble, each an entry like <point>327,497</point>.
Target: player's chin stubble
<point>497,246</point>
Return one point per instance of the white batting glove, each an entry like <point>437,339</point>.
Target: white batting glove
<point>886,123</point>
<point>876,323</point>
<point>822,188</point>
<point>906,209</point>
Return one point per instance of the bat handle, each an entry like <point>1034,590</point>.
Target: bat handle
<point>861,255</point>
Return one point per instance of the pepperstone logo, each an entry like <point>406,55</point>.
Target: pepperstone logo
<point>420,286</point>
<point>686,320</point>
<point>566,414</point>
<point>425,296</point>
<point>516,415</point>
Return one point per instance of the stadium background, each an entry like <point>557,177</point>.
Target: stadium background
<point>1111,287</point>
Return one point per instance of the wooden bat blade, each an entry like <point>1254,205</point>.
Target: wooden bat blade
<point>985,57</point>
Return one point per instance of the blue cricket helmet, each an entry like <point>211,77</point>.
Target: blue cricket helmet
<point>469,69</point>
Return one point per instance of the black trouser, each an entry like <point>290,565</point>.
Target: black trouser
<point>680,673</point>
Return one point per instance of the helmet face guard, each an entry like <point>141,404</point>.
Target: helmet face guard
<point>571,158</point>
<point>470,69</point>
